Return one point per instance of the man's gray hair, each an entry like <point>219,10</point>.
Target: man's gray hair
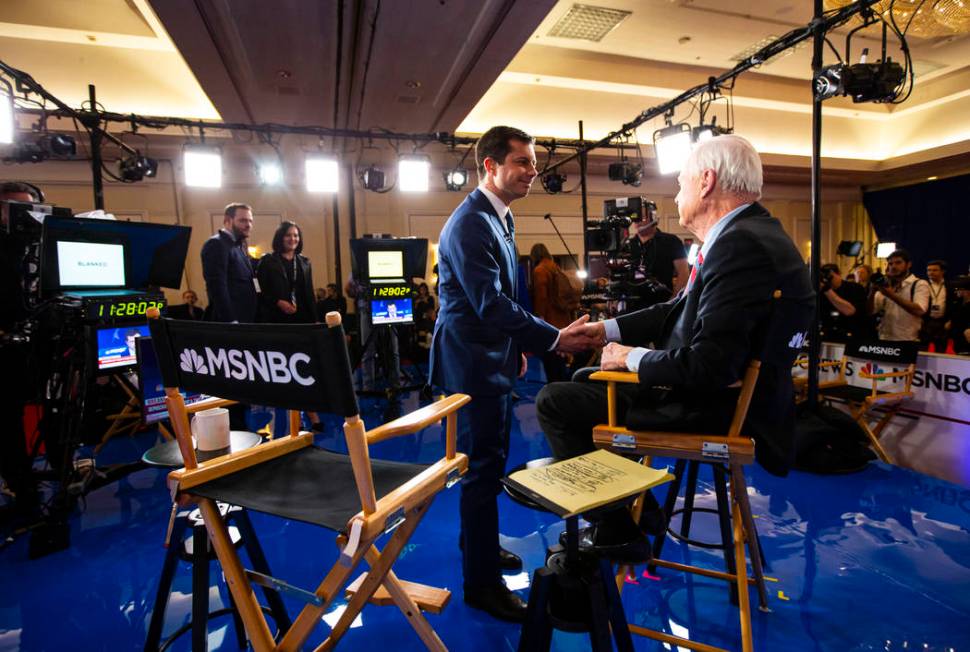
<point>733,159</point>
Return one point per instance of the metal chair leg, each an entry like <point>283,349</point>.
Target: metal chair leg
<point>740,491</point>
<point>672,492</point>
<point>258,560</point>
<point>200,587</point>
<point>154,638</point>
<point>689,491</point>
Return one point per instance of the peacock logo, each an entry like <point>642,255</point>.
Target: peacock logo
<point>191,362</point>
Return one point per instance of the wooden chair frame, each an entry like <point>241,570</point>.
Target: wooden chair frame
<point>734,450</point>
<point>891,402</point>
<point>400,510</point>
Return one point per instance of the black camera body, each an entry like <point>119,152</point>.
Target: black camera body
<point>879,279</point>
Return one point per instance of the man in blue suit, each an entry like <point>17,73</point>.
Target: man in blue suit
<point>228,269</point>
<point>478,349</point>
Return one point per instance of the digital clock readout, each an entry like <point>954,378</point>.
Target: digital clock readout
<point>390,291</point>
<point>108,311</point>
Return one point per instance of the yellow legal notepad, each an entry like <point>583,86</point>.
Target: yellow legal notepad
<point>586,482</point>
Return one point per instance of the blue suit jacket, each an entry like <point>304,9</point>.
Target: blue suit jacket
<point>228,273</point>
<point>481,330</point>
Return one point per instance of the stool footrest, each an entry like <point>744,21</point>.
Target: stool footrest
<point>697,570</point>
<point>674,640</point>
<point>428,598</point>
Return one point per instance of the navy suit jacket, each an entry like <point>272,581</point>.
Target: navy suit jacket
<point>703,339</point>
<point>481,330</point>
<point>228,272</point>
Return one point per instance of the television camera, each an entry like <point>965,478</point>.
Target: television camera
<point>615,285</point>
<point>85,285</point>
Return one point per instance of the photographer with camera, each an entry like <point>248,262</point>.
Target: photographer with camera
<point>844,314</point>
<point>900,298</point>
<point>654,254</point>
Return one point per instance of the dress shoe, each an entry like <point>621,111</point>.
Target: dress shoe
<point>506,560</point>
<point>497,601</point>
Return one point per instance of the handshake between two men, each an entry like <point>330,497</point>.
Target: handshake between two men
<point>583,335</point>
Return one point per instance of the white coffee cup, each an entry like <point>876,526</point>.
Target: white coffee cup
<point>211,429</point>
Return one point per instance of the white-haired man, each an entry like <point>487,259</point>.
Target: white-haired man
<point>690,352</point>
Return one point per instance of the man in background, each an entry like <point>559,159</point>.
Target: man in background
<point>844,314</point>
<point>900,299</point>
<point>188,309</point>
<point>943,302</point>
<point>230,281</point>
<point>228,269</point>
<point>655,255</point>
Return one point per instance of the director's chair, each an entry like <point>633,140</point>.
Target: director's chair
<point>728,454</point>
<point>866,357</point>
<point>304,367</point>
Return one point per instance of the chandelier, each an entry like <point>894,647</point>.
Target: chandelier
<point>926,18</point>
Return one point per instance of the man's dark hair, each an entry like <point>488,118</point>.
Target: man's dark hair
<point>281,233</point>
<point>17,187</point>
<point>830,267</point>
<point>939,263</point>
<point>901,253</point>
<point>494,144</point>
<point>231,209</point>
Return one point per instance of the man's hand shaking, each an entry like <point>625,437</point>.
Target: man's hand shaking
<point>581,336</point>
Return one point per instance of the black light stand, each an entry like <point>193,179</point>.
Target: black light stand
<point>815,335</point>
<point>548,216</point>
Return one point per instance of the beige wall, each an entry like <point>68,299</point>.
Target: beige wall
<point>422,214</point>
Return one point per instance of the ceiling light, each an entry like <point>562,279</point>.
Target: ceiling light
<point>270,173</point>
<point>706,132</point>
<point>137,167</point>
<point>456,179</point>
<point>372,178</point>
<point>6,119</point>
<point>553,182</point>
<point>672,147</point>
<point>412,174</point>
<point>203,167</point>
<point>322,175</point>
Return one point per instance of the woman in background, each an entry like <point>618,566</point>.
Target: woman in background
<point>286,280</point>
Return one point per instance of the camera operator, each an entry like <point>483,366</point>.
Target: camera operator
<point>843,309</point>
<point>900,298</point>
<point>654,254</point>
<point>14,458</point>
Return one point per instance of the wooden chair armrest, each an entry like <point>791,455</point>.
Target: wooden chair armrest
<point>888,374</point>
<point>615,376</point>
<point>227,464</point>
<point>409,495</point>
<point>419,419</point>
<point>687,445</point>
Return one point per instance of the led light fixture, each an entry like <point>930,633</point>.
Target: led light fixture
<point>456,179</point>
<point>883,249</point>
<point>6,119</point>
<point>372,177</point>
<point>203,167</point>
<point>626,172</point>
<point>412,173</point>
<point>322,174</point>
<point>270,173</point>
<point>672,147</point>
<point>553,182</point>
<point>137,167</point>
<point>45,147</point>
<point>706,132</point>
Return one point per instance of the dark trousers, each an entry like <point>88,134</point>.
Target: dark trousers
<point>568,412</point>
<point>483,434</point>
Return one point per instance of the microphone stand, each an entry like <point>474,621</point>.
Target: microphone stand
<point>548,216</point>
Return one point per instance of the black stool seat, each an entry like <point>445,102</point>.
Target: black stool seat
<point>311,484</point>
<point>849,392</point>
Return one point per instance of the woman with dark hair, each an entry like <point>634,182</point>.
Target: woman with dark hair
<point>286,280</point>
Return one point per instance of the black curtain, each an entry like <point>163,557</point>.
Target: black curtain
<point>929,219</point>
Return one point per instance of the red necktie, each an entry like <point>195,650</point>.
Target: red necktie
<point>693,271</point>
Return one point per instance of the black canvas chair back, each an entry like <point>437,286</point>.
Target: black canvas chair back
<point>890,352</point>
<point>305,368</point>
<point>290,366</point>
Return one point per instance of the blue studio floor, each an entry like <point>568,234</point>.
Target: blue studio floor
<point>877,560</point>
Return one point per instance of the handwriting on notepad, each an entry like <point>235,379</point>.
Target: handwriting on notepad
<point>578,476</point>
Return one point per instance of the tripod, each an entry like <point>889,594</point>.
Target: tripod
<point>384,340</point>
